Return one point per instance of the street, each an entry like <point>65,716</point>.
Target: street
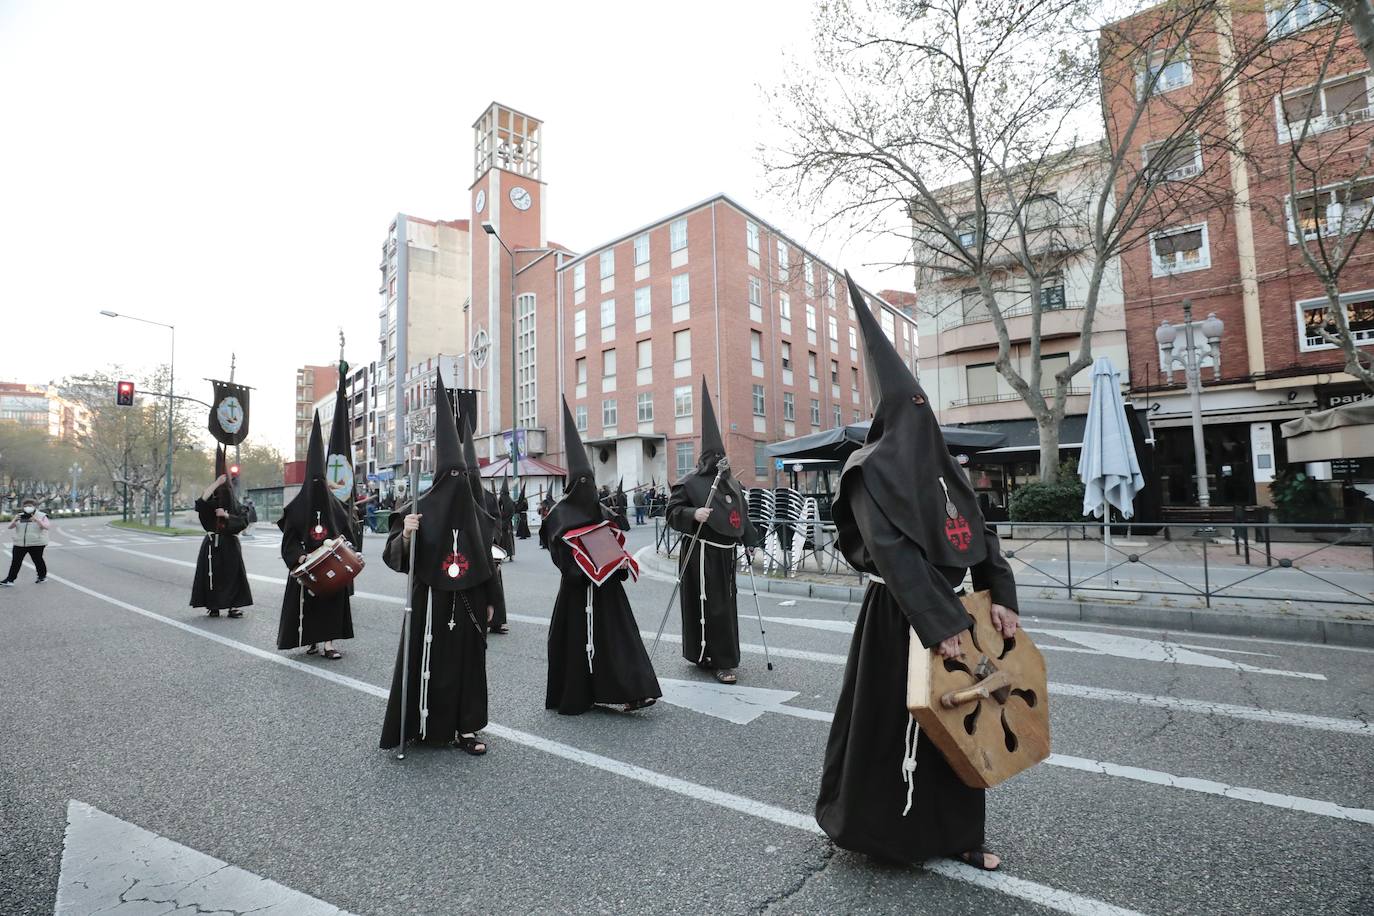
<point>1191,773</point>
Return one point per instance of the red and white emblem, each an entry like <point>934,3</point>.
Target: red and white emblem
<point>958,533</point>
<point>456,565</point>
<point>734,518</point>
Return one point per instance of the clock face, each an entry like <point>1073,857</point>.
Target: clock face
<point>230,414</point>
<point>520,198</point>
<point>481,203</point>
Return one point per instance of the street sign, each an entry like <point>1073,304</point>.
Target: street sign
<point>777,464</point>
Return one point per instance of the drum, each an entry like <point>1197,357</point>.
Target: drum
<point>498,554</point>
<point>329,568</point>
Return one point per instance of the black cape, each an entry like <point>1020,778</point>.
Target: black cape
<point>488,506</point>
<point>721,649</point>
<point>221,581</point>
<point>522,517</point>
<point>863,792</point>
<point>620,670</point>
<point>457,665</point>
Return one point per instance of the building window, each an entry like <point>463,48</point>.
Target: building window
<point>815,412</point>
<point>761,461</point>
<point>811,370</point>
<point>642,302</point>
<point>580,276</point>
<point>391,288</point>
<point>1169,68</point>
<point>853,344</point>
<point>580,323</point>
<point>833,328</point>
<point>756,351</point>
<point>581,370</point>
<point>786,355</point>
<point>608,264</point>
<point>755,300</point>
<point>608,314</point>
<point>854,379</point>
<point>644,405</point>
<point>1335,103</point>
<point>789,407</point>
<point>785,306</point>
<point>829,290</point>
<point>1050,366</point>
<point>686,460</point>
<point>966,230</point>
<point>1331,212</point>
<point>642,249</point>
<point>888,324</point>
<point>526,378</point>
<point>758,401</point>
<point>682,289</point>
<point>811,321</point>
<point>1288,16</point>
<point>644,353</point>
<point>608,414</point>
<point>835,415</point>
<point>682,353</point>
<point>580,417</point>
<point>1176,161</point>
<point>809,277</point>
<point>682,401</point>
<point>677,234</point>
<point>981,383</point>
<point>783,270</point>
<point>1052,292</point>
<point>1314,316</point>
<point>1180,250</point>
<point>834,371</point>
<point>608,368</point>
<point>751,236</point>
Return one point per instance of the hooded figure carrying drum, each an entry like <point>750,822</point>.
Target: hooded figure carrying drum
<point>905,514</point>
<point>710,498</point>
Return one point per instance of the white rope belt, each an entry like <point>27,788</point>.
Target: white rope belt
<point>424,663</point>
<point>300,618</point>
<point>591,648</point>
<point>909,762</point>
<point>210,559</point>
<point>701,588</point>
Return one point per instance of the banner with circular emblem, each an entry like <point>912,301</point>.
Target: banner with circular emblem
<point>229,413</point>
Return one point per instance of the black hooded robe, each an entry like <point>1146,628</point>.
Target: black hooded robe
<point>522,517</point>
<point>487,509</point>
<point>327,617</point>
<point>722,617</point>
<point>620,671</point>
<point>457,662</point>
<point>221,581</point>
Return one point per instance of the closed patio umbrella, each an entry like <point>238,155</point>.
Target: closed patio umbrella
<point>1107,463</point>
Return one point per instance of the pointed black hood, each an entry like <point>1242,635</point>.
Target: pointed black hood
<point>579,504</point>
<point>904,463</point>
<point>453,551</point>
<point>314,514</point>
<point>506,504</point>
<point>729,513</point>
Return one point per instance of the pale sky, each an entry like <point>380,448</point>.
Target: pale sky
<point>233,168</point>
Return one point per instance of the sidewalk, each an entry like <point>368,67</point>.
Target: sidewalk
<point>1301,620</point>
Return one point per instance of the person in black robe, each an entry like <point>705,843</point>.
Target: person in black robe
<point>710,619</point>
<point>620,507</point>
<point>522,514</point>
<point>446,656</point>
<point>487,507</point>
<point>221,581</point>
<point>596,655</point>
<point>907,515</point>
<point>506,514</point>
<point>312,517</point>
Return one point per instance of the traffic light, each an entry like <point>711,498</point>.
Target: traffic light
<point>233,471</point>
<point>124,394</point>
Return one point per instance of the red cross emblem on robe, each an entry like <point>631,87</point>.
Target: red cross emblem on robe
<point>456,566</point>
<point>734,518</point>
<point>958,533</point>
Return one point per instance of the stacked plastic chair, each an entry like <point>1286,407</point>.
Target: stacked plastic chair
<point>788,506</point>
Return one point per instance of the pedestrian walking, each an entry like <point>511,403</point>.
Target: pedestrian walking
<point>639,507</point>
<point>30,539</point>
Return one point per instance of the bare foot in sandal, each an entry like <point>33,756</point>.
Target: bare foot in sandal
<point>725,675</point>
<point>981,858</point>
<point>472,744</point>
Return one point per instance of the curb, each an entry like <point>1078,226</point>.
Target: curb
<point>161,534</point>
<point>1350,633</point>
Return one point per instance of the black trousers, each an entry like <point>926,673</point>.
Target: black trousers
<point>17,560</point>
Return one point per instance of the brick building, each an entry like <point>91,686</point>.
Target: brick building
<point>1240,259</point>
<point>43,407</point>
<point>312,384</point>
<point>629,328</point>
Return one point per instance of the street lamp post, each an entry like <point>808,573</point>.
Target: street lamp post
<point>75,472</point>
<point>1190,360</point>
<point>490,230</point>
<point>171,391</point>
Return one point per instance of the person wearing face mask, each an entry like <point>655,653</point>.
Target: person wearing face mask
<point>30,539</point>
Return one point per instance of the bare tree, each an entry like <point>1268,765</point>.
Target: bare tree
<point>1330,200</point>
<point>1009,133</point>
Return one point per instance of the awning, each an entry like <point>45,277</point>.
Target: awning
<point>1022,437</point>
<point>837,444</point>
<point>1346,431</point>
<point>529,467</point>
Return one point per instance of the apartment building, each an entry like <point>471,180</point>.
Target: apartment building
<point>1239,258</point>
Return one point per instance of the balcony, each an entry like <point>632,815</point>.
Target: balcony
<point>1003,397</point>
<point>975,331</point>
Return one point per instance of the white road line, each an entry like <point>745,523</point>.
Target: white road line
<point>1080,691</point>
<point>1030,891</point>
<point>80,542</point>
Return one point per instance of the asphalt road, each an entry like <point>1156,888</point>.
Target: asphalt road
<point>1193,774</point>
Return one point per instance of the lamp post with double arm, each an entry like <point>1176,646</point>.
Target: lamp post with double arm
<point>1181,347</point>
<point>490,230</point>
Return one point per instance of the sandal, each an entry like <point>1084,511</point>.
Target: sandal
<point>313,650</point>
<point>500,629</point>
<point>235,612</point>
<point>978,859</point>
<point>639,704</point>
<point>725,675</point>
<point>333,654</point>
<point>212,612</point>
<point>471,744</point>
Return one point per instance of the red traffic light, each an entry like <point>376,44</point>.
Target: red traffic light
<point>124,394</point>
<point>233,470</point>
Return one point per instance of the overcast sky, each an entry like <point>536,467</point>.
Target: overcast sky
<point>233,168</point>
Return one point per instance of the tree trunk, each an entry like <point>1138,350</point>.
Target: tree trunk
<point>1049,449</point>
<point>1360,15</point>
